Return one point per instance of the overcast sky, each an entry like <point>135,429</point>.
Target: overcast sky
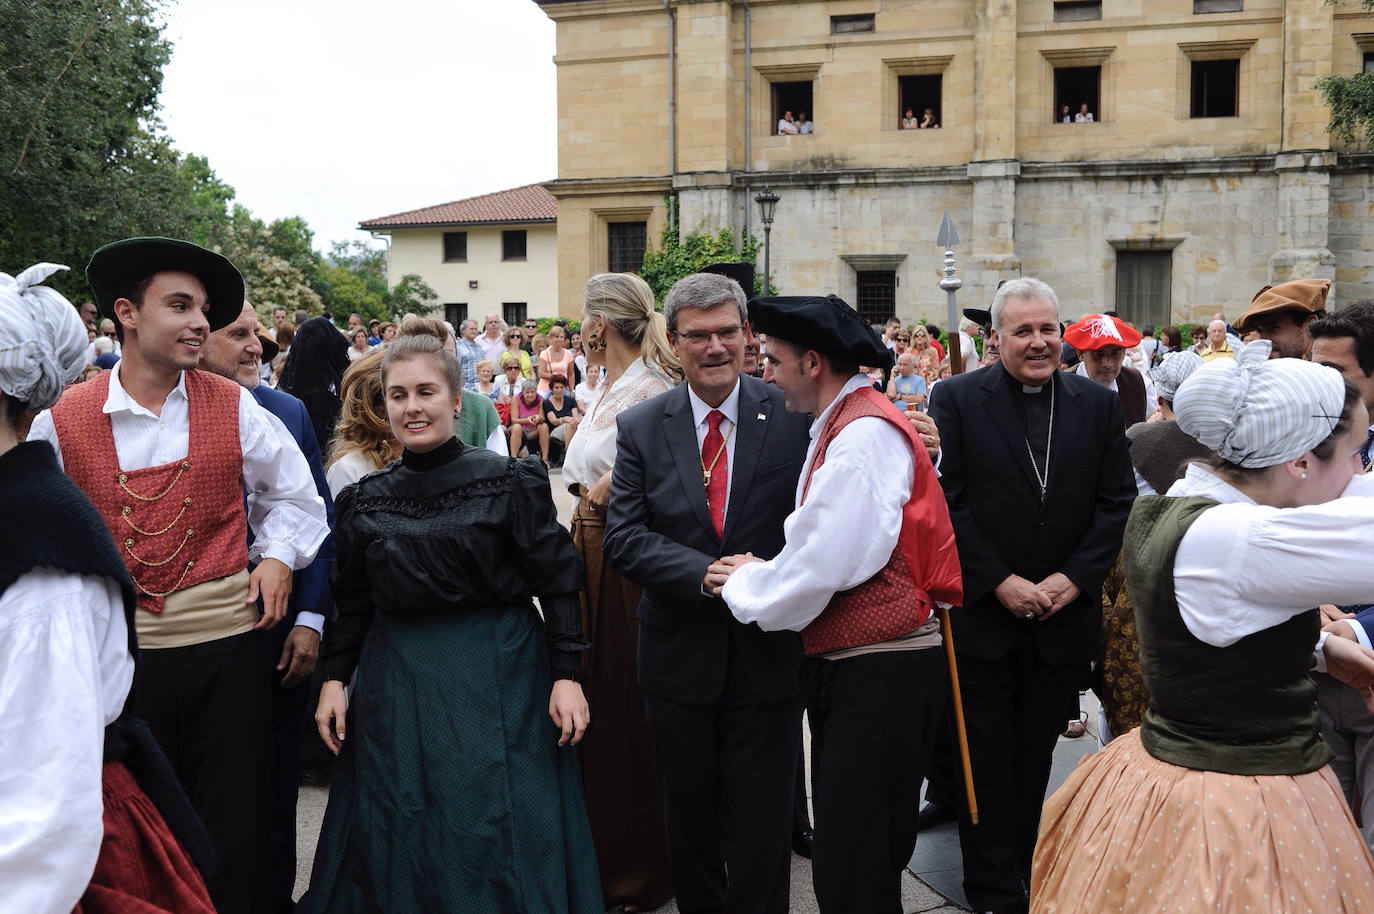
<point>346,110</point>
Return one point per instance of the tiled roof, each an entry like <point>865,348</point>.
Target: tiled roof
<point>531,203</point>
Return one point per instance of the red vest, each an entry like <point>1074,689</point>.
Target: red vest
<point>176,525</point>
<point>924,566</point>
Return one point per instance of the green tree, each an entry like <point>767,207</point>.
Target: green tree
<point>1351,99</point>
<point>82,161</point>
<point>411,295</point>
<point>678,256</point>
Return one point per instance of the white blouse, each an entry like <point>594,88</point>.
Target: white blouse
<point>592,452</point>
<point>65,672</point>
<point>1243,567</point>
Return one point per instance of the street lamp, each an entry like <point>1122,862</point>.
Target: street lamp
<point>768,202</point>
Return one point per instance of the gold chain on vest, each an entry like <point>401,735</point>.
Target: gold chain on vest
<point>128,547</point>
<point>124,479</point>
<point>124,513</point>
<point>158,596</point>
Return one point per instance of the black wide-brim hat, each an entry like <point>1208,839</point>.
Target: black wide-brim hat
<point>120,264</point>
<point>825,324</point>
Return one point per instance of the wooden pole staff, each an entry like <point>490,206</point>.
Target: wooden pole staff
<point>959,727</point>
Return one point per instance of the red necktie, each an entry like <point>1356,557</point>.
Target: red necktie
<point>715,469</point>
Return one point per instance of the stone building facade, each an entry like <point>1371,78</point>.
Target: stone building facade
<point>1206,171</point>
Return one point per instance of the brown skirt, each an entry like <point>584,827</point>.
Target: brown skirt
<point>1128,832</point>
<point>618,778</point>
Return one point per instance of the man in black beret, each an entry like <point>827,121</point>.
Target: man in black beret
<point>166,453</point>
<point>869,552</point>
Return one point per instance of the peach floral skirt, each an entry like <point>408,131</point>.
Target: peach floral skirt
<point>1128,832</point>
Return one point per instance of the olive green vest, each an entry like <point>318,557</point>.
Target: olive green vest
<point>1249,708</point>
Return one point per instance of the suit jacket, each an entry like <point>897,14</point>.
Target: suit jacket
<point>659,534</point>
<point>310,585</point>
<point>1002,527</point>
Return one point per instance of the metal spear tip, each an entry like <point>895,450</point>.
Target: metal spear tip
<point>948,236</point>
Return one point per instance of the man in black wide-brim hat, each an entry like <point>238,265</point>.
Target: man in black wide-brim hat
<point>166,452</point>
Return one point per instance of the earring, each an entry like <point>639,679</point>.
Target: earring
<point>1302,475</point>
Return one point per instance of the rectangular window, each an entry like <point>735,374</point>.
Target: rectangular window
<point>1143,279</point>
<point>877,298</point>
<point>625,243</point>
<point>513,244</point>
<point>791,108</point>
<point>1369,61</point>
<point>1218,6</point>
<point>455,247</point>
<point>845,25</point>
<point>513,312</point>
<point>455,313</point>
<point>1077,11</point>
<point>1077,94</point>
<point>920,101</point>
<point>1216,88</point>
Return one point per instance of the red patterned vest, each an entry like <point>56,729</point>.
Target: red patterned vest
<point>176,525</point>
<point>924,566</point>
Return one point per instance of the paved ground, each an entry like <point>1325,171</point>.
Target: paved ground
<point>933,882</point>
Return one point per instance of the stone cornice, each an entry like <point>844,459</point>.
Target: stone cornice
<point>596,187</point>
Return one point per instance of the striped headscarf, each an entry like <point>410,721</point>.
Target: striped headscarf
<point>42,339</point>
<point>1173,370</point>
<point>1257,413</point>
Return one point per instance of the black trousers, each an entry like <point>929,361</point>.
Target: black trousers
<point>872,719</point>
<point>725,774</point>
<point>1014,712</point>
<point>207,706</point>
<point>944,782</point>
<point>287,715</point>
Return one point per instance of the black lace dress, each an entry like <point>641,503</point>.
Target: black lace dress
<point>451,793</point>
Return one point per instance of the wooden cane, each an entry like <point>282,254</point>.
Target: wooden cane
<point>959,714</point>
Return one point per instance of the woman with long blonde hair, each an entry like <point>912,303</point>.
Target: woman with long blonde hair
<point>622,332</point>
<point>362,438</point>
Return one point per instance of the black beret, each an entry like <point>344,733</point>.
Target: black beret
<point>120,264</point>
<point>742,273</point>
<point>827,325</point>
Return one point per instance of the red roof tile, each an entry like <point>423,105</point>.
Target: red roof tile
<point>531,203</point>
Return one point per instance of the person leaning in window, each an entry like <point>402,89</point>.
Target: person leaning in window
<point>787,126</point>
<point>452,790</point>
<point>909,120</point>
<point>928,120</point>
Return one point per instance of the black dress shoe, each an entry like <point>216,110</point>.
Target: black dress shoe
<point>802,841</point>
<point>933,814</point>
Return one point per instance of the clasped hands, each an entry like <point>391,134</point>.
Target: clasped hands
<point>1028,601</point>
<point>719,571</point>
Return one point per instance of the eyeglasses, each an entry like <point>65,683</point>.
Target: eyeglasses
<point>903,339</point>
<point>110,334</point>
<point>699,338</point>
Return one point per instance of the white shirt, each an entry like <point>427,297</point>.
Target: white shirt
<point>841,535</point>
<point>701,414</point>
<point>492,348</point>
<point>1244,567</point>
<point>285,512</point>
<point>969,350</point>
<point>65,672</point>
<point>592,452</point>
<point>347,470</point>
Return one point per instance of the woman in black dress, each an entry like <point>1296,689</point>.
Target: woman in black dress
<point>452,791</point>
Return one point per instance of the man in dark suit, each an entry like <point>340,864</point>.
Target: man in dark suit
<point>292,648</point>
<point>1038,478</point>
<point>706,470</point>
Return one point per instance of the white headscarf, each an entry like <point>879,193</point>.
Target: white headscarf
<point>42,340</point>
<point>1256,412</point>
<point>1173,370</point>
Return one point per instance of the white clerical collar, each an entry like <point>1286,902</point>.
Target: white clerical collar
<point>118,399</point>
<point>853,384</point>
<point>729,407</point>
